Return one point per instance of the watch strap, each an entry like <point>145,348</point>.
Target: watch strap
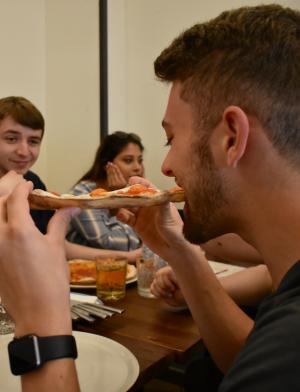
<point>55,347</point>
<point>30,352</point>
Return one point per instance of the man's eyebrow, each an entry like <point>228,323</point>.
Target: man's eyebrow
<point>17,133</point>
<point>12,131</point>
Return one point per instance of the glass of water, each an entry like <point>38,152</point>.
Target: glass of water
<point>147,266</point>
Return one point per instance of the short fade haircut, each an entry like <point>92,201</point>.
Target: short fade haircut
<point>248,57</point>
<point>22,111</point>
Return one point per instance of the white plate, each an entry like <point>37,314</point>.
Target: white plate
<point>102,365</point>
<point>93,286</point>
<point>224,269</point>
<point>132,280</point>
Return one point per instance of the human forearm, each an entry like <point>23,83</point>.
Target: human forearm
<point>53,319</point>
<point>58,375</point>
<point>248,287</point>
<point>75,251</point>
<point>222,325</point>
<point>55,375</point>
<point>35,289</point>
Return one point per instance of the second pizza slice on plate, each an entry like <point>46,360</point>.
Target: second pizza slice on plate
<point>83,272</point>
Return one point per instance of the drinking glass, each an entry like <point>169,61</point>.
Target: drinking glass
<point>111,278</point>
<point>147,266</point>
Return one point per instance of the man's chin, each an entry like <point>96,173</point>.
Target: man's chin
<point>22,172</point>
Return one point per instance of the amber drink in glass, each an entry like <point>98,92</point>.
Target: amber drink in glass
<point>111,278</point>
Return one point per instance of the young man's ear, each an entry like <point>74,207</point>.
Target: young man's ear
<point>236,132</point>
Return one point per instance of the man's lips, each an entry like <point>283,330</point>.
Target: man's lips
<point>178,183</point>
<point>21,163</point>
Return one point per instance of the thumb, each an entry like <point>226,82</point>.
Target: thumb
<point>58,224</point>
<point>166,213</point>
<point>126,216</point>
<point>170,215</point>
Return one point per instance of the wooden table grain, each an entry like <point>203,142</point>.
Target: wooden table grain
<point>156,335</point>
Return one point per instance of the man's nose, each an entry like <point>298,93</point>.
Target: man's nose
<point>23,148</point>
<point>166,168</point>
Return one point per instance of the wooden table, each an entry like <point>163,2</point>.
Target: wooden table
<point>153,333</point>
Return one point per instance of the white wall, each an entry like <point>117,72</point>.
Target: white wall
<point>117,65</point>
<point>149,26</point>
<point>50,54</point>
<point>23,54</point>
<point>72,89</point>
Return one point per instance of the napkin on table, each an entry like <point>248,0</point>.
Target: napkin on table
<point>91,299</point>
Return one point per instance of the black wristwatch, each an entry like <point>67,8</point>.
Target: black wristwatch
<point>31,352</point>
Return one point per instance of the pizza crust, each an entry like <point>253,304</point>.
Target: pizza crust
<point>43,200</point>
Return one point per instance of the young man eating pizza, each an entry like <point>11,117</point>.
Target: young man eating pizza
<point>233,127</point>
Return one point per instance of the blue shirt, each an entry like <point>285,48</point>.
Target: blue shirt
<point>98,228</point>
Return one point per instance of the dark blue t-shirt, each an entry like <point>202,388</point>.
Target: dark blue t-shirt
<point>270,359</point>
<point>40,217</point>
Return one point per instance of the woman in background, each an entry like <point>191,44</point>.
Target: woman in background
<point>119,157</point>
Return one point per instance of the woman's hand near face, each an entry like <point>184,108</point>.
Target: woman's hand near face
<point>115,179</point>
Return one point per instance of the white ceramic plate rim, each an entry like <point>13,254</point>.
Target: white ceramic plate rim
<point>93,286</point>
<point>109,348</point>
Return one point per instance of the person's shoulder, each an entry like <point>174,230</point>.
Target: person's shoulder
<point>35,179</point>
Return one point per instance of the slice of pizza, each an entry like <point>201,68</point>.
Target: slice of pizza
<point>136,195</point>
<point>83,272</point>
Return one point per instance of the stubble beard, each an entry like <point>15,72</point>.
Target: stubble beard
<point>205,197</point>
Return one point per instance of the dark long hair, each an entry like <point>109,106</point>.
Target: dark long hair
<point>111,146</point>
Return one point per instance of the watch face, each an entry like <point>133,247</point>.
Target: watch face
<point>24,354</point>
